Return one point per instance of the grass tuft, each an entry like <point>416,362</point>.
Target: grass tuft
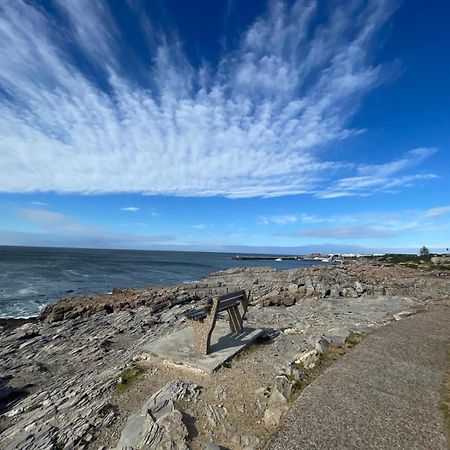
<point>126,378</point>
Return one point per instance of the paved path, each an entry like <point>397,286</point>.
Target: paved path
<point>383,394</point>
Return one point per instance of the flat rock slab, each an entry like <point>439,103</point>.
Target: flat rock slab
<point>178,348</point>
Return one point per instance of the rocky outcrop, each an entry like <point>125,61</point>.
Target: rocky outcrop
<point>440,260</point>
<point>156,299</point>
<point>285,288</point>
<point>269,287</point>
<point>159,425</point>
<point>61,376</point>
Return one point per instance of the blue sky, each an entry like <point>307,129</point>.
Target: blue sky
<point>225,125</point>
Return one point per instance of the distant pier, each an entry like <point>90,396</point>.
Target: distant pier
<point>268,258</point>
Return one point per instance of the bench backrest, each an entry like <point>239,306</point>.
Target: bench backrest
<point>224,302</point>
<point>232,299</point>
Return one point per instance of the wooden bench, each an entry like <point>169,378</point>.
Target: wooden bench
<point>203,321</point>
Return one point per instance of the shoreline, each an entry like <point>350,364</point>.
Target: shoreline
<point>38,277</point>
<point>90,298</point>
<point>10,323</point>
<point>442,263</point>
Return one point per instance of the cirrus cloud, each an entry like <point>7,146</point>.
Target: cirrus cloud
<point>254,125</point>
<point>348,232</point>
<point>437,212</point>
<point>130,208</point>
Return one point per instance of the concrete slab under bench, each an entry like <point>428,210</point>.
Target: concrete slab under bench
<point>177,348</point>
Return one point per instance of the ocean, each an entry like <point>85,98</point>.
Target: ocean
<point>32,277</point>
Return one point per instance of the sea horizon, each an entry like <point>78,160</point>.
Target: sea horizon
<point>33,277</point>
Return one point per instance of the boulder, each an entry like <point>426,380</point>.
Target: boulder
<point>159,425</point>
<point>281,390</point>
<point>273,414</point>
<point>440,259</point>
<point>322,345</point>
<point>337,336</point>
<point>288,300</point>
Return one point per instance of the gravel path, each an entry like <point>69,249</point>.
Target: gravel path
<point>384,394</point>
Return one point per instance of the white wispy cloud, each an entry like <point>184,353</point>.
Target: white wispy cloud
<point>373,225</point>
<point>199,226</point>
<point>53,221</point>
<point>382,177</point>
<point>130,208</point>
<point>348,232</point>
<point>63,227</point>
<point>40,203</point>
<point>439,211</point>
<point>312,218</point>
<point>282,219</point>
<point>256,125</point>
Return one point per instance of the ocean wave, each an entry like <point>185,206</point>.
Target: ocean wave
<point>27,291</point>
<point>18,312</point>
<point>75,273</point>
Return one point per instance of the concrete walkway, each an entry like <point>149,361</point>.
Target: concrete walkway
<point>383,394</point>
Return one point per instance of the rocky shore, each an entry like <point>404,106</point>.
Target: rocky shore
<point>59,375</point>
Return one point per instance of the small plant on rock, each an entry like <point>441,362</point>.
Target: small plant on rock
<point>126,377</point>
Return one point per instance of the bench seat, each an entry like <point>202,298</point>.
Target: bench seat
<point>203,320</point>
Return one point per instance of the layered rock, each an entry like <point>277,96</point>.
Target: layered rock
<point>159,425</point>
<point>269,287</point>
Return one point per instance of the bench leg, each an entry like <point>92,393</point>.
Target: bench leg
<point>235,320</point>
<point>236,314</point>
<point>203,330</point>
<point>202,337</point>
<point>244,304</point>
